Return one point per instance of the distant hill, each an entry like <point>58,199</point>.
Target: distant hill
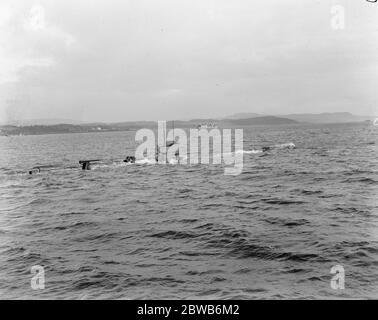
<point>335,117</point>
<point>41,122</point>
<point>57,128</point>
<point>326,117</point>
<point>244,115</point>
<point>262,120</point>
<point>338,117</point>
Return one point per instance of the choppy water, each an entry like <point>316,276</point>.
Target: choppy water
<point>173,231</point>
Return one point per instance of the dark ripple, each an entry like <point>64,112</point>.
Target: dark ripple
<point>238,243</point>
<point>282,201</point>
<point>287,222</point>
<point>174,235</point>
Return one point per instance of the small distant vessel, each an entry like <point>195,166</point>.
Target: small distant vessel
<point>35,170</point>
<point>207,126</point>
<point>289,145</point>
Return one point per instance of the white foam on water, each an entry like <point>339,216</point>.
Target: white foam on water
<point>173,161</point>
<point>145,161</point>
<point>253,151</point>
<point>250,151</point>
<point>289,145</point>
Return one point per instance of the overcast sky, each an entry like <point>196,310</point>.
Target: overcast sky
<point>108,60</point>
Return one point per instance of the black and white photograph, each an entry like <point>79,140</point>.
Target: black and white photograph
<point>210,151</point>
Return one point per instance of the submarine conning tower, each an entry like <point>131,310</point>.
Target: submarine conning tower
<point>86,164</point>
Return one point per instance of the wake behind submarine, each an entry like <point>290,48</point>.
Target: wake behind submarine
<point>87,164</point>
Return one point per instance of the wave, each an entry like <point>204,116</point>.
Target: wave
<point>171,234</point>
<point>289,145</point>
<point>253,151</point>
<point>145,161</point>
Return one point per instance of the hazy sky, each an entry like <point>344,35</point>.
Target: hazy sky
<point>110,60</point>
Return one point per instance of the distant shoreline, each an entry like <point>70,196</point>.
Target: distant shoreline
<point>10,130</point>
